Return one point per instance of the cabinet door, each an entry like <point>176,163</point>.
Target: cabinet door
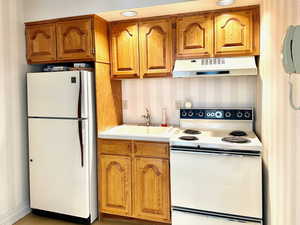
<point>124,50</point>
<point>155,48</point>
<point>115,184</point>
<point>74,39</point>
<point>195,36</point>
<point>234,33</point>
<point>151,189</point>
<point>41,43</point>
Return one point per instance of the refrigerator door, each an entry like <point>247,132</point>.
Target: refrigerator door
<point>185,218</point>
<point>59,179</point>
<point>217,182</point>
<point>57,94</point>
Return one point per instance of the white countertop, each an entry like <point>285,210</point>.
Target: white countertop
<point>142,133</point>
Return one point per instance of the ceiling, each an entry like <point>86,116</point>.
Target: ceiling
<point>175,8</point>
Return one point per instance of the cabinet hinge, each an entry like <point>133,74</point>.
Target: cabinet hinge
<point>93,51</point>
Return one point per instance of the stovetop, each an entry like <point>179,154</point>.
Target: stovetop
<point>213,139</point>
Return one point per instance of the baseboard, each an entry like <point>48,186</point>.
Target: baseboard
<point>11,218</point>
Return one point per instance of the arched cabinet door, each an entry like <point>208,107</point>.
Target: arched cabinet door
<point>151,189</point>
<point>115,184</point>
<point>41,43</point>
<point>234,33</point>
<point>194,36</point>
<point>125,50</point>
<point>74,39</point>
<point>155,41</point>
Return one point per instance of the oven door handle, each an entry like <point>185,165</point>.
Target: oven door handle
<point>214,152</point>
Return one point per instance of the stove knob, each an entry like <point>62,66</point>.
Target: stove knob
<point>228,114</point>
<point>200,114</point>
<point>239,114</point>
<point>247,114</point>
<point>191,114</point>
<point>184,113</point>
<point>218,114</point>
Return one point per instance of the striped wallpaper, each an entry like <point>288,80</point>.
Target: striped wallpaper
<point>280,125</point>
<point>14,197</point>
<point>159,93</point>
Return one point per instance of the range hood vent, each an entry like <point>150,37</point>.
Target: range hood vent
<point>208,67</point>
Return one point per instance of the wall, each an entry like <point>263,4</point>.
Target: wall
<point>280,124</point>
<point>13,135</point>
<point>45,9</point>
<point>203,92</point>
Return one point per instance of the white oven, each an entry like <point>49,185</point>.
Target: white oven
<point>216,184</point>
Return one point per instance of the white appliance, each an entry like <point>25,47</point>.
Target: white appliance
<point>216,168</point>
<point>291,57</point>
<point>207,67</point>
<point>62,144</point>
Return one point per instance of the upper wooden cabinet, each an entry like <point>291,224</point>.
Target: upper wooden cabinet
<point>235,33</point>
<point>155,39</point>
<point>74,39</point>
<point>124,50</point>
<point>141,49</point>
<point>83,38</point>
<point>194,36</point>
<point>41,43</point>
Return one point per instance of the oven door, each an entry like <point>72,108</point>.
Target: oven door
<point>217,181</point>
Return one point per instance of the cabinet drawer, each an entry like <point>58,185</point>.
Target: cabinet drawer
<point>115,147</point>
<point>151,149</point>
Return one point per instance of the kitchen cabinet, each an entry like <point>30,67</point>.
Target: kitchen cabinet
<point>115,184</point>
<point>124,50</point>
<point>236,33</point>
<point>74,39</point>
<point>141,49</point>
<point>151,189</point>
<point>82,38</point>
<point>194,36</point>
<point>134,179</point>
<point>155,42</point>
<point>41,43</point>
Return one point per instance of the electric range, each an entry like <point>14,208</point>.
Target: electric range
<point>216,168</point>
<point>217,128</point>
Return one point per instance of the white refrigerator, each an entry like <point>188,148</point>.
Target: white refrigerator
<point>62,144</point>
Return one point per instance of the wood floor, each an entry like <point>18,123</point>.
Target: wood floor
<point>32,219</point>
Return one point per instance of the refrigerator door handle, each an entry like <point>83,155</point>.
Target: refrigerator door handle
<point>80,140</point>
<point>79,98</point>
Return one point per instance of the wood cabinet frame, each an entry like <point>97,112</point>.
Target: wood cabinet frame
<point>97,29</point>
<point>143,155</point>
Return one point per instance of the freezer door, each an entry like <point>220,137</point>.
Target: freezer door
<point>185,218</point>
<point>217,182</point>
<point>57,94</point>
<point>59,182</point>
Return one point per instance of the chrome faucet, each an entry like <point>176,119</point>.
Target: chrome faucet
<point>147,117</point>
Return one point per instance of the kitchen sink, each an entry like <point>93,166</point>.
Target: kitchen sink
<point>139,132</point>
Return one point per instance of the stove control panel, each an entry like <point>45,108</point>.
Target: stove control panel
<point>222,114</point>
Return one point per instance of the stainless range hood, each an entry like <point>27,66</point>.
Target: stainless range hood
<point>235,66</point>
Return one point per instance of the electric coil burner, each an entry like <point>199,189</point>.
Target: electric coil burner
<point>189,138</point>
<point>191,131</point>
<point>239,140</point>
<point>238,133</point>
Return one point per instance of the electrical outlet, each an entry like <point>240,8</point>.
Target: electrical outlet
<point>178,104</point>
<point>125,104</point>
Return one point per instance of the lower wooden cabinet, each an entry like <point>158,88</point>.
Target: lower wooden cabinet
<point>115,184</point>
<point>132,182</point>
<point>151,189</point>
